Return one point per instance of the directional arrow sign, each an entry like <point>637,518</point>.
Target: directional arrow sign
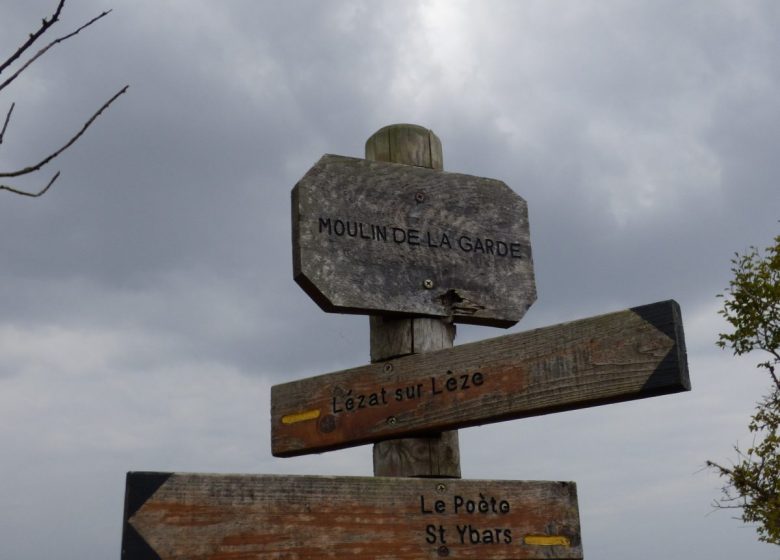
<point>226,517</point>
<point>621,356</point>
<point>377,238</point>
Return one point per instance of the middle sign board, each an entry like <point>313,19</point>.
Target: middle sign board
<point>626,355</point>
<point>384,238</point>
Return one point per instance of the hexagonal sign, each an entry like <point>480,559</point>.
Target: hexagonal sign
<point>389,239</point>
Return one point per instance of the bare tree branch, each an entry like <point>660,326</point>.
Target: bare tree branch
<point>47,47</point>
<point>45,24</point>
<point>33,37</point>
<point>68,144</point>
<point>7,119</point>
<point>31,194</point>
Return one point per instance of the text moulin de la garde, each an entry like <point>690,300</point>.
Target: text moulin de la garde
<point>420,238</point>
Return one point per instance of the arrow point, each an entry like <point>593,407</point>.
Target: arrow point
<point>140,486</point>
<point>663,315</point>
<point>134,547</point>
<point>666,317</point>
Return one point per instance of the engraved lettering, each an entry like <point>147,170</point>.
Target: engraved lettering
<point>439,506</point>
<point>486,505</point>
<point>460,382</point>
<point>435,534</point>
<point>351,403</point>
<point>469,534</point>
<point>418,238</point>
<point>422,507</point>
<point>464,242</point>
<point>462,532</point>
<point>430,534</point>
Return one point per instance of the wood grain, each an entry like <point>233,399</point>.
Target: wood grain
<point>409,144</point>
<point>430,455</point>
<point>229,517</point>
<point>433,455</point>
<point>380,238</point>
<point>631,354</point>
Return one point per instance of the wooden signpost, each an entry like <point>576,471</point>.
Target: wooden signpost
<point>621,356</point>
<point>418,249</point>
<point>374,237</point>
<point>226,517</point>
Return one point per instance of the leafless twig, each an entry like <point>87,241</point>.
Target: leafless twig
<point>47,47</point>
<point>33,37</point>
<point>7,119</point>
<point>31,194</point>
<point>68,144</point>
<point>45,24</point>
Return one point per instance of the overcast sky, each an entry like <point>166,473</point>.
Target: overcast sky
<point>147,302</point>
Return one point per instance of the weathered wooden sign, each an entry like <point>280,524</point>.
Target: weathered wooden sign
<point>377,238</point>
<point>621,356</point>
<point>225,517</point>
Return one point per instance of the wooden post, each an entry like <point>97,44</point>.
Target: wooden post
<point>437,455</point>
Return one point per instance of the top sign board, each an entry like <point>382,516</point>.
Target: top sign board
<point>383,238</point>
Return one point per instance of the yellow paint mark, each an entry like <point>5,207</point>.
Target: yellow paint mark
<point>547,540</point>
<point>301,417</point>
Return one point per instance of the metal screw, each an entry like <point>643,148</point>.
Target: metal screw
<point>428,284</point>
<point>443,551</point>
<point>327,424</point>
<point>420,197</point>
<point>441,488</point>
<point>392,420</point>
<point>388,367</point>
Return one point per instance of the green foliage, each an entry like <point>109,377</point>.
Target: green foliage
<point>752,307</point>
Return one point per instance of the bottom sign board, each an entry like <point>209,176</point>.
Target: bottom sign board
<point>220,517</point>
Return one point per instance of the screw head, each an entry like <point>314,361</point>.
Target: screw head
<point>443,551</point>
<point>419,197</point>
<point>428,284</point>
<point>441,488</point>
<point>387,368</point>
<point>392,420</point>
<point>327,424</point>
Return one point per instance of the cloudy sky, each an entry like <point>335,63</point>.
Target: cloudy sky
<point>147,302</point>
